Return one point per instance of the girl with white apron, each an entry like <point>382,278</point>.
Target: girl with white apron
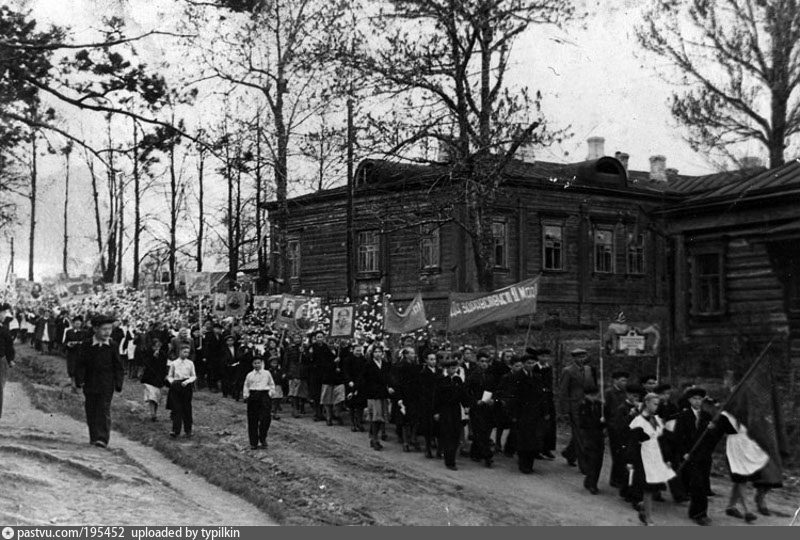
<point>745,460</point>
<point>648,470</point>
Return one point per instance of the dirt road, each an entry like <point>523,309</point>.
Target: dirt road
<point>316,474</point>
<point>50,475</point>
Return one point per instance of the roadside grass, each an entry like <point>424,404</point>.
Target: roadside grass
<point>212,453</point>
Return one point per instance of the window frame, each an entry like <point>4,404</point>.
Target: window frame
<point>430,233</point>
<point>642,253</point>
<point>562,228</point>
<point>376,252</point>
<point>294,260</point>
<point>505,262</point>
<point>719,254</point>
<point>610,230</point>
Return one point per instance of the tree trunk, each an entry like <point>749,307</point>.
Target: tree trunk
<point>31,240</point>
<point>262,274</point>
<point>137,218</point>
<point>173,215</point>
<point>201,204</point>
<point>281,179</point>
<point>231,240</point>
<point>64,256</point>
<point>121,221</point>
<point>237,228</point>
<point>97,218</point>
<point>113,205</point>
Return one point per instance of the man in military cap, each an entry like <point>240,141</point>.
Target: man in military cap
<point>574,378</point>
<point>99,372</point>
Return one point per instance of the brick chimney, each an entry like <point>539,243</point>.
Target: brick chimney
<point>596,148</point>
<point>623,158</point>
<point>658,168</point>
<point>751,162</point>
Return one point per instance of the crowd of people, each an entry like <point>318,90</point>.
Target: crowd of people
<point>444,402</point>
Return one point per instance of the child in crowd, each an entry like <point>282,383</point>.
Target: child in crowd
<point>257,393</point>
<point>181,379</point>
<point>278,376</point>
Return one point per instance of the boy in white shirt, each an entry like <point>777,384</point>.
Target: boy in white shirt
<point>258,389</point>
<point>181,379</point>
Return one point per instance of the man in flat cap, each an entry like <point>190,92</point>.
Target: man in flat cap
<point>696,451</point>
<point>7,353</point>
<point>99,372</point>
<point>574,378</point>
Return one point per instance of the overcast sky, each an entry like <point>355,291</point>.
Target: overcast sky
<point>593,76</point>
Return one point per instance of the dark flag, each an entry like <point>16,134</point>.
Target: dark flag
<point>755,404</point>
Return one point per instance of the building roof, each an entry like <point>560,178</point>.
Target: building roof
<point>377,176</point>
<point>780,179</point>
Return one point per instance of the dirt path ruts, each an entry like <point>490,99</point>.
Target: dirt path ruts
<point>50,475</point>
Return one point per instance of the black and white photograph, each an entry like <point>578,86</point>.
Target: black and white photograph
<point>398,263</point>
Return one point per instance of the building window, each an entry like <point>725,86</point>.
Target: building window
<point>500,239</point>
<point>429,247</point>
<point>636,254</point>
<point>294,258</point>
<point>368,249</point>
<point>708,286</point>
<point>553,247</point>
<point>604,251</point>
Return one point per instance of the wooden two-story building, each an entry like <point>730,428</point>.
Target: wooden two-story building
<point>587,228</point>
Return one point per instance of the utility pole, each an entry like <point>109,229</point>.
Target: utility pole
<point>350,194</point>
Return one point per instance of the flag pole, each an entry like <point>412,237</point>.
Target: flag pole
<point>730,397</point>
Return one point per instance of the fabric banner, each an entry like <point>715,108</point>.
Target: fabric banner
<point>412,319</point>
<point>756,405</point>
<point>473,309</point>
<point>198,283</point>
<point>298,313</point>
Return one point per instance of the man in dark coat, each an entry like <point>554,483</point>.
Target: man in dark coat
<point>7,353</point>
<point>408,395</point>
<point>690,425</point>
<point>591,424</point>
<point>213,352</point>
<point>506,395</point>
<point>449,397</point>
<point>230,365</point>
<point>527,414</point>
<point>428,378</point>
<point>543,373</point>
<point>480,388</point>
<point>100,373</point>
<point>574,378</point>
<point>73,338</point>
<point>619,425</point>
<point>614,397</point>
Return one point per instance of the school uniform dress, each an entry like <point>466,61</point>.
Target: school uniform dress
<point>619,424</point>
<point>650,470</point>
<point>745,457</point>
<point>100,373</point>
<point>614,397</point>
<point>353,367</point>
<point>181,378</point>
<point>154,374</point>
<point>257,392</point>
<point>374,386</point>
<point>331,377</point>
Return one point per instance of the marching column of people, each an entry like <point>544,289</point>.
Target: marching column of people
<point>464,402</point>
